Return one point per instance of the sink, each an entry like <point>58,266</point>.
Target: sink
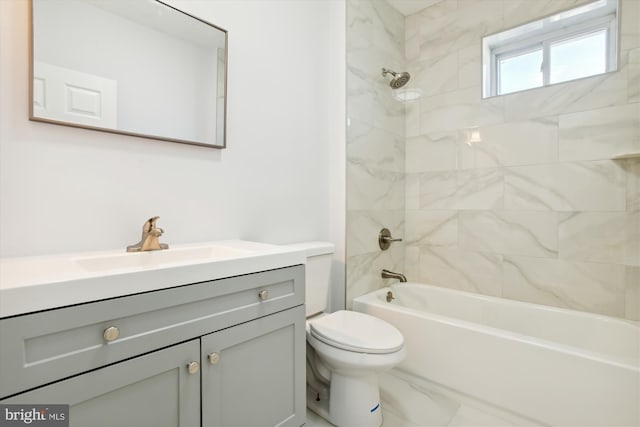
<point>29,284</point>
<point>155,259</point>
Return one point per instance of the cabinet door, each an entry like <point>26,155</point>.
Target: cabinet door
<point>256,376</point>
<point>154,390</point>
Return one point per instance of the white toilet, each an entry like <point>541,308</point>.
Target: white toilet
<point>345,350</point>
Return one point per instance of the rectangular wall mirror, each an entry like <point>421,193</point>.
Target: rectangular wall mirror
<point>570,45</point>
<point>139,68</point>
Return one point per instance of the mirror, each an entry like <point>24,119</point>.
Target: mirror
<point>570,45</point>
<point>139,68</point>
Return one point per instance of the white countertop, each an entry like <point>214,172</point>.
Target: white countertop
<point>29,284</point>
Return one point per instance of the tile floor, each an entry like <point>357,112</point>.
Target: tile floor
<point>411,402</point>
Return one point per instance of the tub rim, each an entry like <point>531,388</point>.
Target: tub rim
<point>376,298</point>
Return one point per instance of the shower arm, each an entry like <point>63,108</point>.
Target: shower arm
<point>385,72</point>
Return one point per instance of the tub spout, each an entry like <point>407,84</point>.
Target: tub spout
<point>386,274</point>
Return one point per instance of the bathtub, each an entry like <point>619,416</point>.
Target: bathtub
<point>554,366</point>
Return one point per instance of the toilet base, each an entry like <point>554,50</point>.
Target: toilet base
<point>353,401</point>
<point>319,406</point>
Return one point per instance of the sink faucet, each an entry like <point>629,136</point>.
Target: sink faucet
<point>149,241</point>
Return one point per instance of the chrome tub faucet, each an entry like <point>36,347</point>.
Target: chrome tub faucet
<point>149,240</point>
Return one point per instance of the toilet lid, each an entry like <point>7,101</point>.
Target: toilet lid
<point>358,332</point>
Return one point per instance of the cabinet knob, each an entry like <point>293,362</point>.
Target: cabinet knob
<point>264,295</point>
<point>213,358</point>
<point>193,367</point>
<point>111,333</point>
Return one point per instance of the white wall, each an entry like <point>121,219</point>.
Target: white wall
<point>64,189</point>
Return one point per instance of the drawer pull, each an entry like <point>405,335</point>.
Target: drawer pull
<point>193,367</point>
<point>264,295</point>
<point>111,333</point>
<point>213,358</point>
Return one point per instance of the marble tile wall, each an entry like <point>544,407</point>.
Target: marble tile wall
<point>375,143</point>
<point>546,208</point>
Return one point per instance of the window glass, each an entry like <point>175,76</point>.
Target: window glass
<point>582,56</point>
<point>520,72</point>
<point>576,43</point>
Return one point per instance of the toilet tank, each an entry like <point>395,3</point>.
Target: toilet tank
<point>317,274</point>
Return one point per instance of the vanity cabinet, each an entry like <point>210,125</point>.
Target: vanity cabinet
<point>227,352</point>
<point>151,390</point>
<point>250,373</point>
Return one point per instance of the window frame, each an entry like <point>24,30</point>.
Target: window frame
<point>543,38</point>
<point>496,58</point>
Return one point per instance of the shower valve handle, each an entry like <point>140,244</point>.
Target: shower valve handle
<point>385,239</point>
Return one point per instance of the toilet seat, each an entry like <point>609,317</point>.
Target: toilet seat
<point>357,332</point>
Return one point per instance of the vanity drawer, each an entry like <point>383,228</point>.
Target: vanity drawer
<point>39,348</point>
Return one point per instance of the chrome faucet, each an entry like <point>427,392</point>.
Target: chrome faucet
<point>386,274</point>
<point>149,240</point>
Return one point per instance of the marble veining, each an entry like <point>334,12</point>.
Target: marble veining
<point>375,142</point>
<point>450,266</point>
<point>375,147</point>
<point>363,271</point>
<point>516,12</point>
<point>632,296</point>
<point>412,191</point>
<point>458,109</point>
<point>600,134</point>
<point>551,282</point>
<point>633,83</point>
<point>611,237</point>
<point>588,186</point>
<point>437,228</point>
<point>631,167</point>
<point>421,403</point>
<point>453,31</point>
<point>435,75</point>
<point>479,189</point>
<point>374,23</point>
<point>432,152</point>
<point>464,189</point>
<point>600,91</point>
<point>365,225</point>
<point>438,190</point>
<point>409,401</point>
<point>516,233</point>
<point>510,144</point>
<point>469,62</point>
<point>540,208</point>
<point>371,188</point>
<point>629,28</point>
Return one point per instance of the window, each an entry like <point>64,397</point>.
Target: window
<point>519,71</point>
<point>579,56</point>
<point>574,44</point>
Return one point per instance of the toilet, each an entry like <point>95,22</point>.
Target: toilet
<point>345,350</point>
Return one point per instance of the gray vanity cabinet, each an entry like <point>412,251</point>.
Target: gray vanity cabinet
<point>154,390</point>
<point>250,373</point>
<point>227,352</point>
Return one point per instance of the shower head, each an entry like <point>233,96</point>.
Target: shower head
<point>398,80</point>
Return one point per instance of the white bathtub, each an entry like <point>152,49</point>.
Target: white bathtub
<point>555,366</point>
